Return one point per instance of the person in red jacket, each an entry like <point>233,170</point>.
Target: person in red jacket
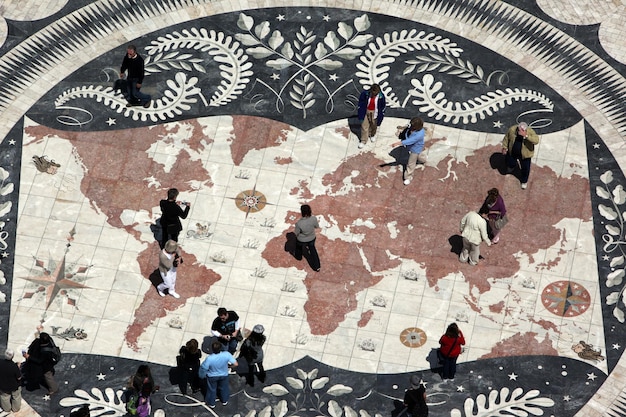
<point>450,349</point>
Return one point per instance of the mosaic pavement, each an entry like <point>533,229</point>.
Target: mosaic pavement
<point>254,114</point>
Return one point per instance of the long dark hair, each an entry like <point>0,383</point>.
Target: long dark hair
<point>452,330</point>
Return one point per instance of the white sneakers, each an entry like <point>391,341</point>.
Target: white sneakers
<point>361,145</point>
<point>407,182</point>
<point>524,185</point>
<point>373,139</point>
<point>172,293</point>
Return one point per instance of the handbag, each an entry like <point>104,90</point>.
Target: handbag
<point>440,355</point>
<point>501,222</point>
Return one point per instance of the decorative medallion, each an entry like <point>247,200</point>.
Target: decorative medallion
<point>565,298</point>
<point>250,201</point>
<point>413,337</point>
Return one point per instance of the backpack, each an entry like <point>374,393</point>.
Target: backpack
<point>143,406</point>
<point>131,404</point>
<point>53,350</point>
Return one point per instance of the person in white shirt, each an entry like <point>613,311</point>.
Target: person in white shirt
<point>473,231</point>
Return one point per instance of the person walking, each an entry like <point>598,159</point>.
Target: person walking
<point>519,145</point>
<point>188,362</point>
<point>415,398</point>
<point>473,231</point>
<point>226,328</point>
<point>450,349</point>
<point>10,380</point>
<point>413,140</point>
<point>134,64</point>
<point>305,236</point>
<point>169,260</point>
<point>371,111</point>
<point>252,352</point>
<point>215,369</point>
<point>496,214</point>
<point>171,213</point>
<point>40,362</point>
<point>140,387</point>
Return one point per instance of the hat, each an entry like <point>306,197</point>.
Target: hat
<point>258,329</point>
<point>415,381</point>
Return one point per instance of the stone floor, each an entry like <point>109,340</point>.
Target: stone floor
<point>253,113</point>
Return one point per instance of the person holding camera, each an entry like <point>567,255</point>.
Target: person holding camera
<point>171,213</point>
<point>169,260</point>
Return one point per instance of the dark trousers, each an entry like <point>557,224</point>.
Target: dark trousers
<point>134,93</point>
<point>169,232</point>
<point>511,162</point>
<point>250,375</point>
<point>313,257</point>
<point>189,376</point>
<point>449,367</point>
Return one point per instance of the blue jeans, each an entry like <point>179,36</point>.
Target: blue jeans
<point>229,345</point>
<point>134,95</point>
<point>217,385</point>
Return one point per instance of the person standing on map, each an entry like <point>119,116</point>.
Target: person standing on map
<point>227,329</point>
<point>171,213</point>
<point>473,231</point>
<point>450,349</point>
<point>305,236</point>
<point>519,145</point>
<point>169,260</point>
<point>133,63</point>
<point>371,112</point>
<point>412,138</point>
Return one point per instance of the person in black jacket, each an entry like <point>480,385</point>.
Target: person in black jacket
<point>252,351</point>
<point>133,62</point>
<point>171,213</point>
<point>10,379</point>
<point>188,362</point>
<point>415,398</point>
<point>39,366</point>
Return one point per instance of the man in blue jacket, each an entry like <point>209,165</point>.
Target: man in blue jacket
<point>215,370</point>
<point>371,111</point>
<point>413,139</point>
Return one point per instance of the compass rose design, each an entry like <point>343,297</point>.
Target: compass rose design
<point>413,337</point>
<point>250,201</point>
<point>56,277</point>
<point>565,298</point>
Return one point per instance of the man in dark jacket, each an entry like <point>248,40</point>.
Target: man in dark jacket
<point>40,361</point>
<point>10,391</point>
<point>226,328</point>
<point>133,62</point>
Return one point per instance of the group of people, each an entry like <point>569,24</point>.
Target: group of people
<point>213,372</point>
<point>518,144</point>
<point>36,370</point>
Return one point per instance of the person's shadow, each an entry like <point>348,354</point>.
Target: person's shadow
<point>355,125</point>
<point>290,243</point>
<point>456,244</point>
<point>155,278</point>
<point>157,231</point>
<point>497,161</point>
<point>400,155</point>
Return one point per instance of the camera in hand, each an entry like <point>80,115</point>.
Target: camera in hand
<point>177,260</point>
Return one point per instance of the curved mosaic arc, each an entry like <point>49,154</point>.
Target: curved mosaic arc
<point>92,24</point>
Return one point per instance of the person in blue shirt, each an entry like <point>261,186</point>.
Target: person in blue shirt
<point>215,370</point>
<point>413,139</point>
